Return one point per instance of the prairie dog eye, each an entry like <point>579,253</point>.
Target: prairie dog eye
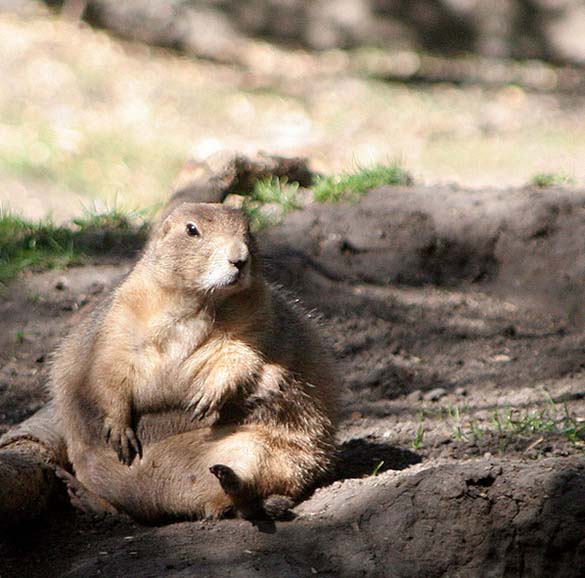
<point>192,229</point>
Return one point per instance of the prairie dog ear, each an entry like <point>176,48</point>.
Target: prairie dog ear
<point>159,233</point>
<point>165,228</point>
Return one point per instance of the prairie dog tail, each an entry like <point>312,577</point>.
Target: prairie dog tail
<point>274,507</point>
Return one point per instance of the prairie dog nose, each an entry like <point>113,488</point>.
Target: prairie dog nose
<point>238,255</point>
<point>239,264</point>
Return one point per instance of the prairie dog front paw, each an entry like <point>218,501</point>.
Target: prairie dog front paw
<point>123,440</point>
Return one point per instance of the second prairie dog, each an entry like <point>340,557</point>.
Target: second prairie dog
<point>196,388</point>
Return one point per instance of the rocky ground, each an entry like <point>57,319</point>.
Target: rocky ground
<point>455,318</point>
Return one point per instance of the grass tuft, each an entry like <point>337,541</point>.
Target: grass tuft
<point>419,437</point>
<point>350,186</point>
<point>275,190</point>
<point>546,180</point>
<point>279,194</point>
<point>43,245</point>
<point>553,419</point>
<point>378,467</point>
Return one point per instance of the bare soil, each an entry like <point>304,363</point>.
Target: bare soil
<point>455,317</point>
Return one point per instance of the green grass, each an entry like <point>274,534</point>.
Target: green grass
<point>271,190</point>
<point>350,186</point>
<point>346,186</point>
<point>34,298</point>
<point>41,245</point>
<point>378,467</point>
<point>553,419</point>
<point>275,190</point>
<point>509,423</point>
<point>419,437</point>
<point>545,180</point>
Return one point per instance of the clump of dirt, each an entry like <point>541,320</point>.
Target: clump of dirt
<point>460,355</point>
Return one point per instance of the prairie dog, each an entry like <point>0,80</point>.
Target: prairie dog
<point>197,388</point>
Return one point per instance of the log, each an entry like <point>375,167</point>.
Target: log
<point>28,454</point>
<point>227,172</point>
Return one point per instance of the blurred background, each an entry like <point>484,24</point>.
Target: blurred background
<point>102,101</point>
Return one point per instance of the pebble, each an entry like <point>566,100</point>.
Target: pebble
<point>273,212</point>
<point>416,395</point>
<point>235,201</point>
<point>501,358</point>
<point>435,394</point>
<point>304,197</point>
<point>61,284</point>
<point>95,288</point>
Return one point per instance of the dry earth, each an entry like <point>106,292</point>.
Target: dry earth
<point>455,316</point>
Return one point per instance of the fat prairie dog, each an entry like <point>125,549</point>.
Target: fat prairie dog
<point>196,389</point>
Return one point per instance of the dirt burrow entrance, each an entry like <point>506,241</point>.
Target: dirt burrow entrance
<point>455,315</point>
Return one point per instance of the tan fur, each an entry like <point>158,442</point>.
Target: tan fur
<point>202,364</point>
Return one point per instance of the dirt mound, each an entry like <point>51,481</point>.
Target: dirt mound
<point>453,317</point>
<point>489,518</point>
<point>525,242</point>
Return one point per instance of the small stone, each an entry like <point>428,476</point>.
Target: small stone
<point>501,358</point>
<point>304,197</point>
<point>234,201</point>
<point>272,212</point>
<point>460,391</point>
<point>61,284</point>
<point>95,288</point>
<point>416,395</point>
<point>435,394</point>
<point>453,490</point>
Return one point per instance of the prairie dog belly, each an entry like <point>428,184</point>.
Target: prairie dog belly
<point>165,365</point>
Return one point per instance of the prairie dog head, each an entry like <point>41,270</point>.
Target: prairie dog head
<point>204,248</point>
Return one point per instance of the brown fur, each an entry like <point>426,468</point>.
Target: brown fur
<point>196,361</point>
